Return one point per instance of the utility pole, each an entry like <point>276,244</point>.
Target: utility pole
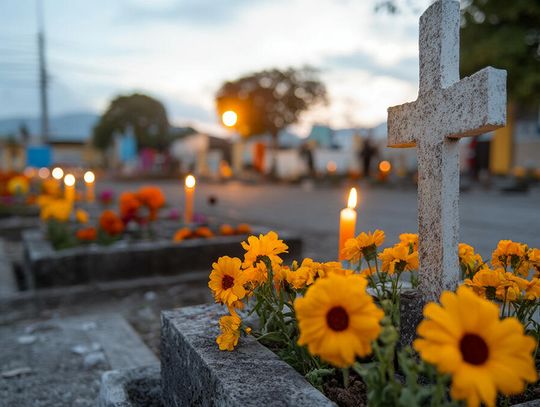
<point>43,77</point>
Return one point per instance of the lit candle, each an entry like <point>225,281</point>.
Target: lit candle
<point>347,222</point>
<point>69,191</point>
<point>58,174</point>
<point>189,190</point>
<point>89,179</point>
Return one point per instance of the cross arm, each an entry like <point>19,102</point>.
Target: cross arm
<point>402,125</point>
<point>474,105</point>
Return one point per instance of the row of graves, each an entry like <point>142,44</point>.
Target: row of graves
<point>426,322</point>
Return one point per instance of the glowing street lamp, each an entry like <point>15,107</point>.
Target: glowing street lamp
<point>229,118</point>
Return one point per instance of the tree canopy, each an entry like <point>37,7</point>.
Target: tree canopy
<point>504,34</point>
<point>144,114</point>
<point>499,33</point>
<point>268,101</point>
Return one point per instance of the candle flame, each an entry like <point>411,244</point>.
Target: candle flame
<point>89,177</point>
<point>69,180</point>
<point>190,181</point>
<point>353,198</point>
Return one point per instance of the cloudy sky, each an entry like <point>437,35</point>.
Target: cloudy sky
<point>180,51</point>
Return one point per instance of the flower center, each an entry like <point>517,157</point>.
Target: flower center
<point>227,282</point>
<point>474,349</point>
<point>337,319</point>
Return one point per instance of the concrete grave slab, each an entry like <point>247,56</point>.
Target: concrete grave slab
<point>195,372</point>
<point>59,362</point>
<point>46,267</point>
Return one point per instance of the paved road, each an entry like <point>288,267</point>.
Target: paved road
<point>486,216</point>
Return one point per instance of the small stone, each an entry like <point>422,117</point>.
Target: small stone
<point>26,339</point>
<point>89,326</point>
<point>79,349</point>
<point>41,327</point>
<point>150,296</point>
<point>94,359</point>
<point>16,372</point>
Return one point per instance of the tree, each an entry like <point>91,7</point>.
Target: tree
<point>145,115</point>
<point>500,33</point>
<point>268,101</point>
<point>504,34</point>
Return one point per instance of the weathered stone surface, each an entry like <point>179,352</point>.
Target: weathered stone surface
<point>51,370</point>
<point>8,285</point>
<point>195,372</point>
<point>11,228</point>
<point>411,307</point>
<point>446,110</point>
<point>46,267</point>
<point>115,386</point>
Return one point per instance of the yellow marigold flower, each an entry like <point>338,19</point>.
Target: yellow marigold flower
<point>464,337</point>
<point>398,259</point>
<point>58,209</point>
<point>51,187</point>
<point>44,200</point>
<point>469,261</point>
<point>514,287</point>
<point>365,244</point>
<point>338,320</point>
<point>265,246</point>
<point>230,332</point>
<point>488,283</point>
<point>332,267</point>
<point>82,216</point>
<point>409,239</point>
<point>18,185</point>
<point>533,256</point>
<point>532,291</point>
<point>227,280</point>
<point>301,277</point>
<point>508,253</point>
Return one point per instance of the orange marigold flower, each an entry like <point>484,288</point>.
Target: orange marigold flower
<point>203,231</point>
<point>182,234</point>
<point>243,229</point>
<point>226,230</point>
<point>398,259</point>
<point>111,223</point>
<point>152,198</point>
<point>365,244</point>
<point>409,239</point>
<point>509,253</point>
<point>129,205</point>
<point>87,234</point>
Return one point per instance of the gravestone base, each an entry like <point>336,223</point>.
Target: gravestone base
<point>195,372</point>
<point>411,308</point>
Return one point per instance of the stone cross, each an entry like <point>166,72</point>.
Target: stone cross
<point>447,109</point>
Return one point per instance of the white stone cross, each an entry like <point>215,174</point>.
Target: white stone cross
<point>446,109</point>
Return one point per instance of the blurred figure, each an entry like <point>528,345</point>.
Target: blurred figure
<point>368,152</point>
<point>307,153</point>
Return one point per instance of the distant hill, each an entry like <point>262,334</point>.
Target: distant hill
<point>66,127</point>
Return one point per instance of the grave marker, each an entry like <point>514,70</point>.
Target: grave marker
<point>447,109</point>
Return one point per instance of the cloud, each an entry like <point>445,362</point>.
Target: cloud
<point>404,69</point>
<point>191,11</point>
